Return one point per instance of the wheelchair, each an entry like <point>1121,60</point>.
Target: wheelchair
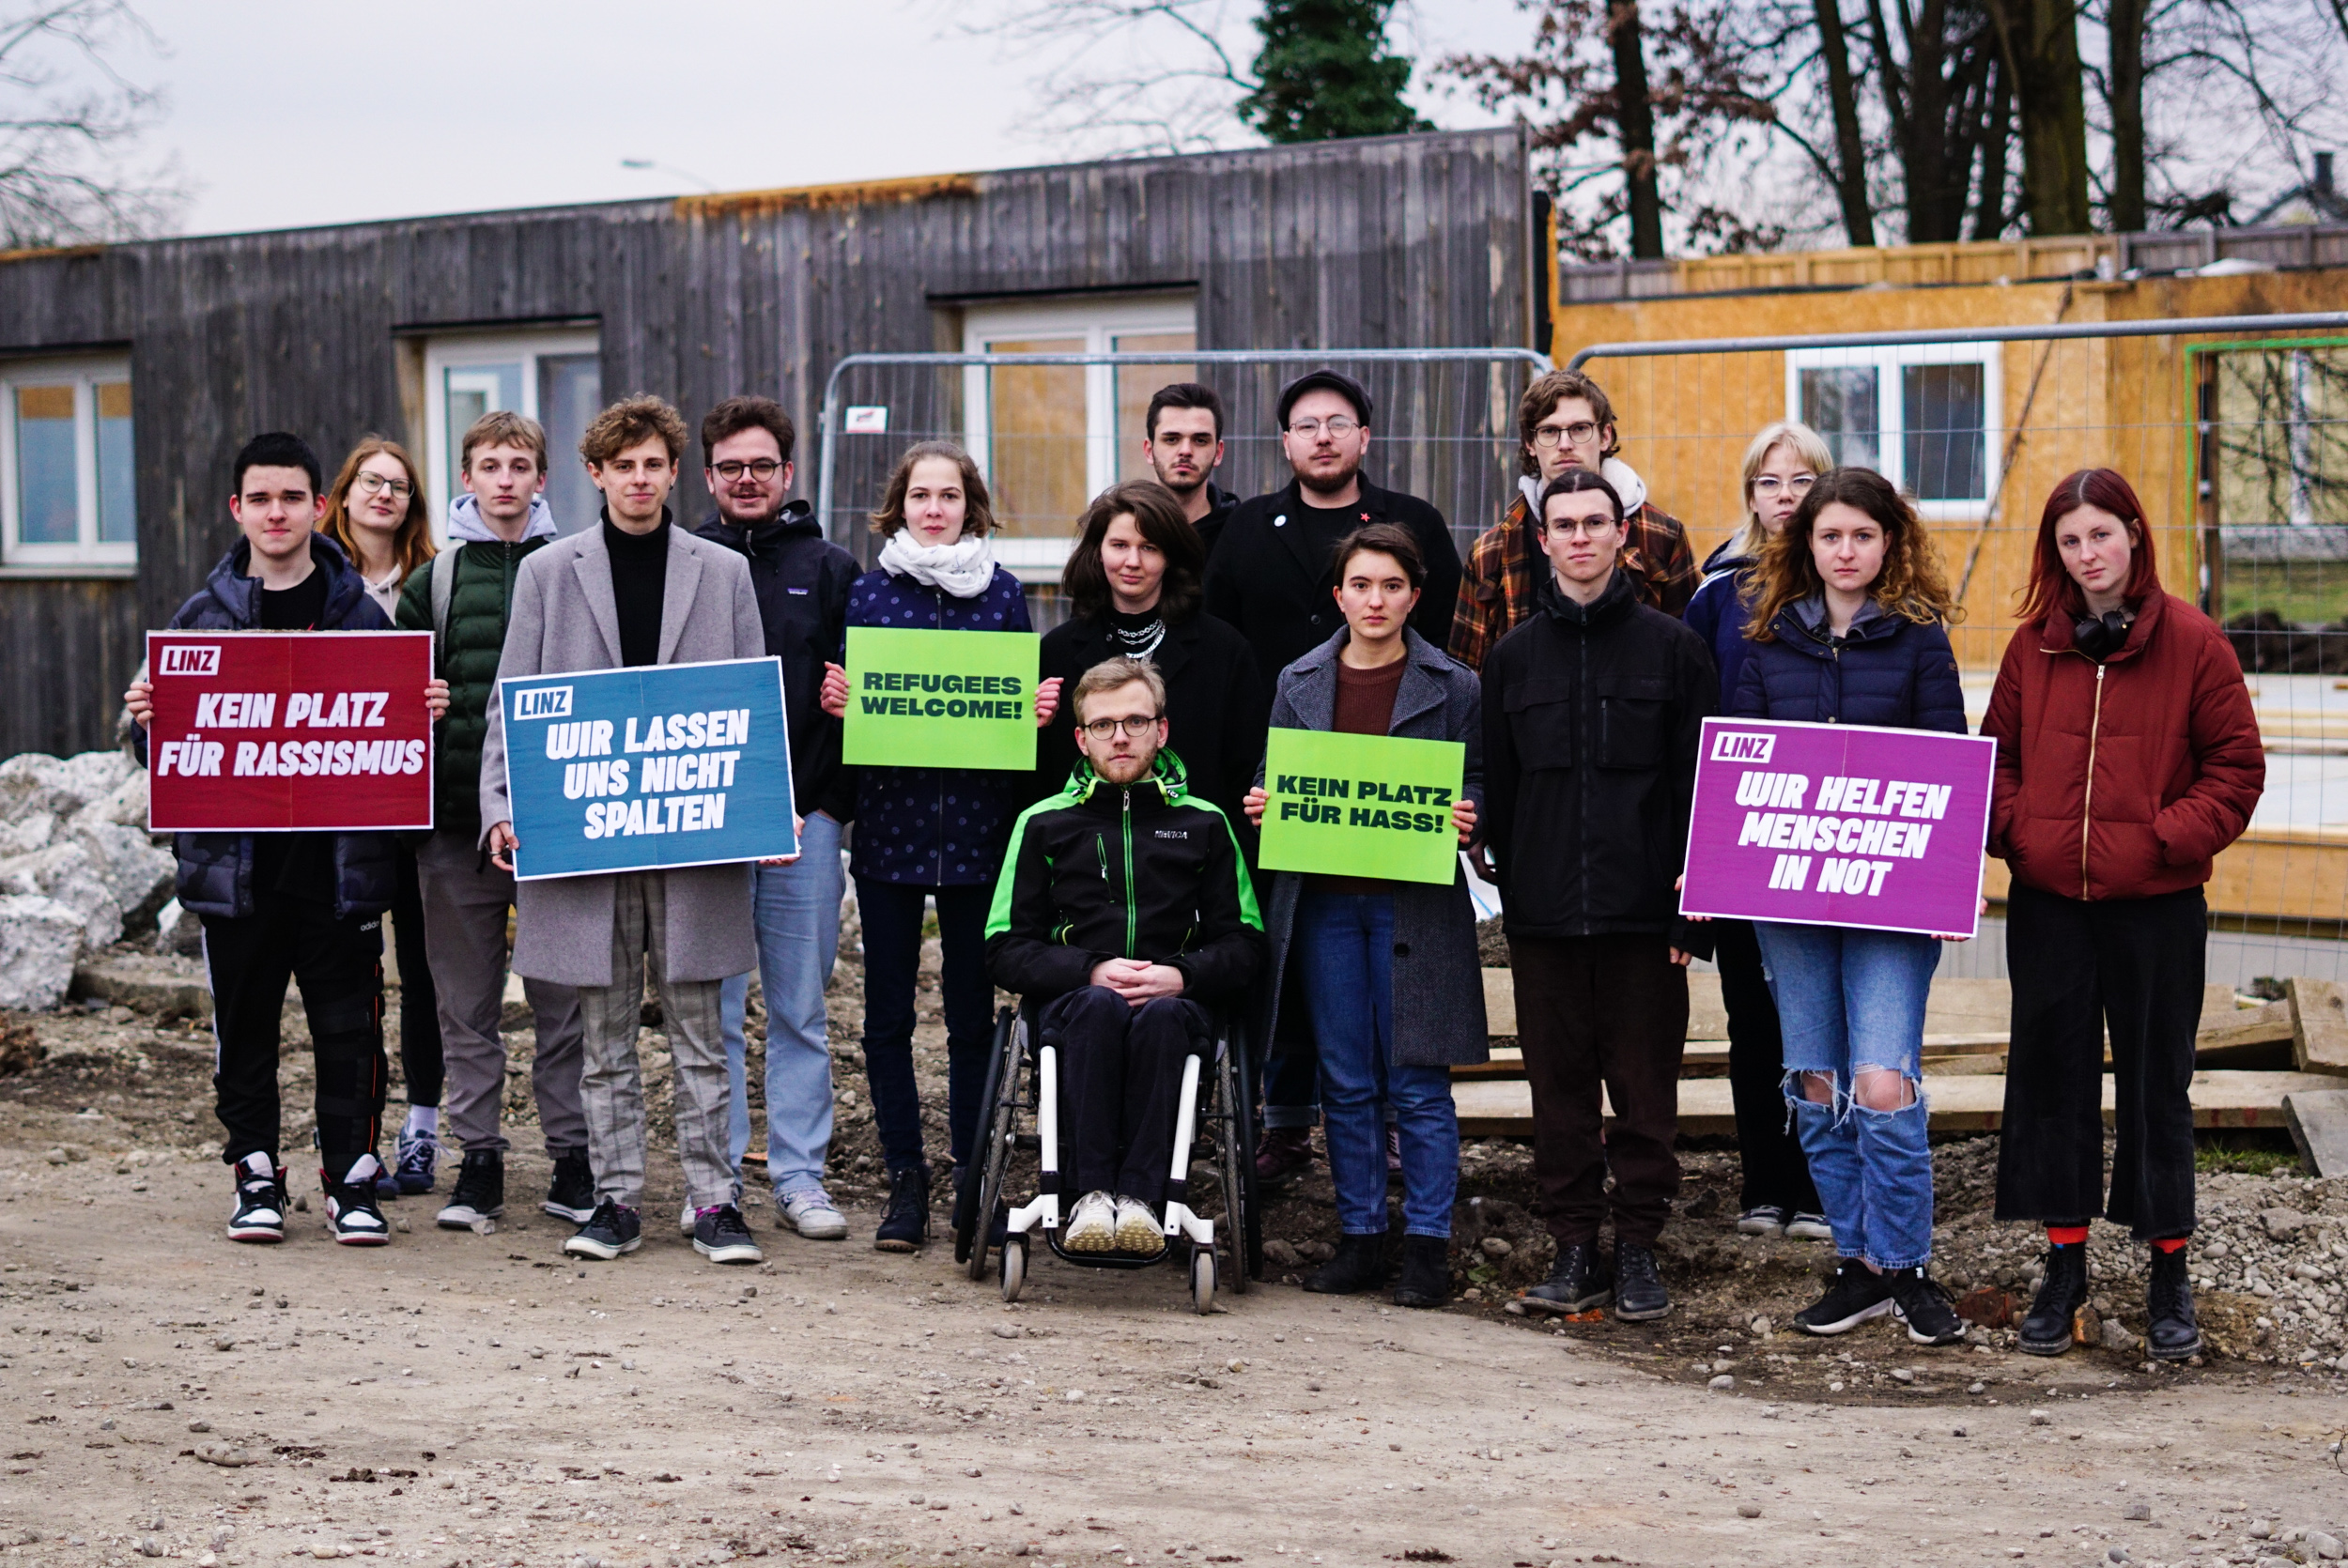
<point>1020,1115</point>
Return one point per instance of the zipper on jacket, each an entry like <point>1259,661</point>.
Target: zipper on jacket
<point>2087,802</point>
<point>1133,915</point>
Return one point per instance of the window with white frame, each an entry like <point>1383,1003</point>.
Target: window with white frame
<point>1923,415</point>
<point>554,377</point>
<point>67,496</point>
<point>1050,438</point>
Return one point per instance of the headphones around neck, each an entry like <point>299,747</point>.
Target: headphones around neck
<point>2098,635</point>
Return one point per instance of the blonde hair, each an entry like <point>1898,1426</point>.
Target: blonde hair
<point>504,427</point>
<point>411,544</point>
<point>1808,445</point>
<point>1109,674</point>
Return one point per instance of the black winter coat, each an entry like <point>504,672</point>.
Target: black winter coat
<point>1222,505</point>
<point>1592,721</point>
<point>1272,583</point>
<point>1144,871</point>
<point>802,580</point>
<point>216,869</point>
<point>1217,706</point>
<point>1887,671</point>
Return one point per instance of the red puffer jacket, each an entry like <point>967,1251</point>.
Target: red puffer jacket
<point>2121,779</point>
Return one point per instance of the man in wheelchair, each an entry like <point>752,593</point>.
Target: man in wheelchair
<point>1124,912</point>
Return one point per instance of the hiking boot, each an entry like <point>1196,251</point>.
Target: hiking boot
<point>810,1212</point>
<point>1918,1300</point>
<point>905,1225</point>
<point>1639,1293</point>
<point>1426,1278</point>
<point>260,1212</point>
<point>419,1160</point>
<point>2171,1331</point>
<point>1857,1294</point>
<point>2046,1331</point>
<point>611,1230</point>
<point>571,1195</point>
<point>1282,1152</point>
<point>1356,1267</point>
<point>1579,1283</point>
<point>480,1192</point>
<point>1138,1229</point>
<point>720,1236</point>
<point>351,1213</point>
<point>1807,1226</point>
<point>1762,1220</point>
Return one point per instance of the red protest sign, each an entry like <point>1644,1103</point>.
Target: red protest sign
<point>274,731</point>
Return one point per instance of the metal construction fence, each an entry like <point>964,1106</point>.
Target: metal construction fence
<point>2234,433</point>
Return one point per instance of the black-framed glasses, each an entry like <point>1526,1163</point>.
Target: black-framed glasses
<point>762,469</point>
<point>371,482</point>
<point>1104,729</point>
<point>1339,426</point>
<point>1770,487</point>
<point>1575,433</point>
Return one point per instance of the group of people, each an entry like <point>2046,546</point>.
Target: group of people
<point>1573,655</point>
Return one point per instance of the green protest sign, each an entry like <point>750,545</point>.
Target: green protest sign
<point>940,700</point>
<point>1362,806</point>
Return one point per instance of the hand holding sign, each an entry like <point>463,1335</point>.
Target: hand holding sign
<point>1362,806</point>
<point>923,698</point>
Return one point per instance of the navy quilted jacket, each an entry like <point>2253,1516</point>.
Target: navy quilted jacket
<point>1887,671</point>
<point>216,869</point>
<point>940,827</point>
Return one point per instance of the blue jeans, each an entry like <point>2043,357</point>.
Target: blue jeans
<point>797,911</point>
<point>1346,941</point>
<point>1850,1002</point>
<point>891,912</point>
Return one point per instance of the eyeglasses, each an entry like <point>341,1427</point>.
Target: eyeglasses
<point>1339,426</point>
<point>371,482</point>
<point>761,470</point>
<point>1768,485</point>
<point>1587,528</point>
<point>1573,435</point>
<point>1102,729</point>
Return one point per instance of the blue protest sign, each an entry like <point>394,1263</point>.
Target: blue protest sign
<point>643,768</point>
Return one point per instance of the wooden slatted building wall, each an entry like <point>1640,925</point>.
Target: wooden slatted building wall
<point>1401,241</point>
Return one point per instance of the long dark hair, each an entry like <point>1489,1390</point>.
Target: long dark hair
<point>1911,584</point>
<point>1159,517</point>
<point>2051,587</point>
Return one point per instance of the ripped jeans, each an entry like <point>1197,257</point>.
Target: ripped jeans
<point>1850,1003</point>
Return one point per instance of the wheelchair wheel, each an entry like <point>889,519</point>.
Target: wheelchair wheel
<point>1015,1267</point>
<point>1243,1214</point>
<point>1202,1281</point>
<point>969,1200</point>
<point>1006,1076</point>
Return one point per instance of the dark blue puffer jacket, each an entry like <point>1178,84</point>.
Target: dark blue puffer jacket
<point>216,869</point>
<point>1887,671</point>
<point>1716,614</point>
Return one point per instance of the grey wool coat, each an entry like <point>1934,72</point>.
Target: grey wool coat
<point>566,619</point>
<point>1438,1001</point>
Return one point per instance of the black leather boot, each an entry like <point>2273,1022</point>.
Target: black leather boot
<point>2046,1331</point>
<point>1639,1293</point>
<point>906,1223</point>
<point>2171,1332</point>
<point>1426,1279</point>
<point>1356,1267</point>
<point>1580,1282</point>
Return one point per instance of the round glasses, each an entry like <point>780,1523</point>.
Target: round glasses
<point>1770,487</point>
<point>761,469</point>
<point>371,482</point>
<point>1102,729</point>
<point>1575,433</point>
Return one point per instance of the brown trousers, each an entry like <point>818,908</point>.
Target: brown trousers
<point>1610,1010</point>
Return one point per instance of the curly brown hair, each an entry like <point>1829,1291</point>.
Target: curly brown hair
<point>1912,585</point>
<point>977,507</point>
<point>632,421</point>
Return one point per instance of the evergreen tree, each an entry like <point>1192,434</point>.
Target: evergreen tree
<point>1325,73</point>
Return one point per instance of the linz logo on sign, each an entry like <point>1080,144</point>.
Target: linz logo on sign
<point>1741,745</point>
<point>191,659</point>
<point>543,702</point>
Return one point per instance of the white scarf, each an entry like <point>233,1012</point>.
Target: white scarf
<point>962,568</point>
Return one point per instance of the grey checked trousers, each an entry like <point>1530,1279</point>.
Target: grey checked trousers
<point>611,1090</point>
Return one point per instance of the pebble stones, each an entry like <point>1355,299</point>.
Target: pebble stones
<point>1722,1384</point>
<point>2140,1512</point>
<point>1749,1510</point>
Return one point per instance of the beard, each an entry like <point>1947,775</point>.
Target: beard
<point>1182,488</point>
<point>1331,485</point>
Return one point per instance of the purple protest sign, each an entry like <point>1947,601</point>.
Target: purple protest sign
<point>1839,824</point>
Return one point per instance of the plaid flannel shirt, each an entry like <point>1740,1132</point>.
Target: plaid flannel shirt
<point>1496,587</point>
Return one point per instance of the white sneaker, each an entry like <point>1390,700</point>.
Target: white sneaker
<point>1092,1224</point>
<point>1138,1229</point>
<point>809,1213</point>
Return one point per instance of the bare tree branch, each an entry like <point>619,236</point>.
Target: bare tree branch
<point>66,175</point>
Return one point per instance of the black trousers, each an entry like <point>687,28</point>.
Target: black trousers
<point>339,966</point>
<point>419,1000</point>
<point>2136,965</point>
<point>1776,1173</point>
<point>1120,1070</point>
<point>1608,1011</point>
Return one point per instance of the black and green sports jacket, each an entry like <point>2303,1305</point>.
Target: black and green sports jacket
<point>1144,871</point>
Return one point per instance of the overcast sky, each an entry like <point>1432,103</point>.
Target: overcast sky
<point>289,113</point>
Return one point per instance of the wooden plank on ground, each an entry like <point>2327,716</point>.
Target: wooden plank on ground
<point>1503,1108</point>
<point>2320,1040</point>
<point>2319,1125</point>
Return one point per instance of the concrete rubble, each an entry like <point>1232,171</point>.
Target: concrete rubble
<point>78,868</point>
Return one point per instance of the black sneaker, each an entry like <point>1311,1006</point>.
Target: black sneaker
<point>2171,1331</point>
<point>351,1211</point>
<point>1918,1301</point>
<point>260,1212</point>
<point>1639,1293</point>
<point>1858,1293</point>
<point>1579,1283</point>
<point>1426,1279</point>
<point>480,1192</point>
<point>1356,1267</point>
<point>572,1194</point>
<point>2047,1330</point>
<point>720,1236</point>
<point>611,1231</point>
<point>906,1224</point>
